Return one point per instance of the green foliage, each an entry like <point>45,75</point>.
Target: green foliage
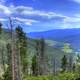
<point>39,78</point>
<point>67,48</point>
<point>61,76</point>
<point>7,74</point>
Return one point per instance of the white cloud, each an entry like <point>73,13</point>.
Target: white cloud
<point>72,19</point>
<point>5,10</point>
<point>3,19</point>
<point>26,21</point>
<point>29,11</point>
<point>70,22</point>
<point>39,13</point>
<point>77,1</point>
<point>26,11</point>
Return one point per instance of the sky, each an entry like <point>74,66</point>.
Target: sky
<point>41,15</point>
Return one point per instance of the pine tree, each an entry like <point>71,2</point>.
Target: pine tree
<point>64,63</point>
<point>22,47</point>
<point>34,65</point>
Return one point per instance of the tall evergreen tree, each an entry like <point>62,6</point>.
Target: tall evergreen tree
<point>64,63</point>
<point>34,65</point>
<point>22,47</point>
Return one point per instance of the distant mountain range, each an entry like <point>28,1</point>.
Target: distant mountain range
<point>71,36</point>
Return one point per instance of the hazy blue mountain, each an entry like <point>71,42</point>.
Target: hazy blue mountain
<point>71,36</point>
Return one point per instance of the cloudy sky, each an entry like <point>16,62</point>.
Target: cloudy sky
<point>41,15</point>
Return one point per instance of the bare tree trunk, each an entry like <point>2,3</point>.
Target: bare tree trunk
<point>16,74</point>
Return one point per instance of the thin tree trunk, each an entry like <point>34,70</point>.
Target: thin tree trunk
<point>15,57</point>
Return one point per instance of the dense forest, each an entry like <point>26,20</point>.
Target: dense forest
<point>24,58</point>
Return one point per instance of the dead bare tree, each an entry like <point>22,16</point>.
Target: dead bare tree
<point>16,74</point>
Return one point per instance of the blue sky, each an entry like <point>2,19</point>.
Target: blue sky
<point>41,15</point>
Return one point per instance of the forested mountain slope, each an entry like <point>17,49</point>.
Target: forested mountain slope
<point>50,52</point>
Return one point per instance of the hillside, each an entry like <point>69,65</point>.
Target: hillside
<point>50,51</point>
<point>71,36</point>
